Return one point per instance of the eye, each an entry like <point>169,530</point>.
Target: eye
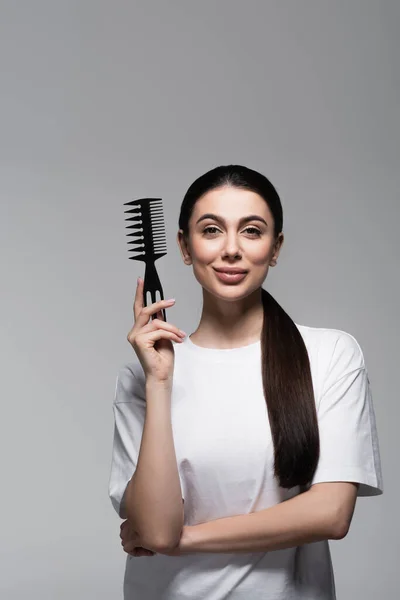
<point>208,228</point>
<point>257,232</point>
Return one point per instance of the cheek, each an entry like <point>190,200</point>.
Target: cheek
<point>206,252</point>
<point>261,259</point>
<point>257,256</point>
<point>260,254</point>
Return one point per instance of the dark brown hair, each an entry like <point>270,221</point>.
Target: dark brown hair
<point>288,387</point>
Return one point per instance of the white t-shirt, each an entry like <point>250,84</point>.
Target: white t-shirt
<point>224,453</point>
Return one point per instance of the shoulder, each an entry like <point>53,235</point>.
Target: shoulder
<point>333,353</point>
<point>336,345</point>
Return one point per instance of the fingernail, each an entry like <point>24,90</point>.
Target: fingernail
<point>170,300</point>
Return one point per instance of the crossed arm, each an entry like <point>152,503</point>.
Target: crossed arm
<point>323,512</point>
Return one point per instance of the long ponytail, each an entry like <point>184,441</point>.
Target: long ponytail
<point>289,395</point>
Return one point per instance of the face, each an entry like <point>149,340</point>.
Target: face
<point>228,240</point>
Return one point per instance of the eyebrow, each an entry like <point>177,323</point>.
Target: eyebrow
<point>222,220</point>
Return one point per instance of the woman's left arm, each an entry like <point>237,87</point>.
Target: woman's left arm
<point>323,512</point>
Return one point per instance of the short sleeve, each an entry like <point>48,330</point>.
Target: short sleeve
<point>129,409</point>
<point>349,446</point>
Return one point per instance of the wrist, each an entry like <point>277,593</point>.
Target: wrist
<point>188,539</point>
<point>185,544</point>
<point>154,383</point>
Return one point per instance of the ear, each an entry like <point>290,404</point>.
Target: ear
<point>278,246</point>
<point>183,248</point>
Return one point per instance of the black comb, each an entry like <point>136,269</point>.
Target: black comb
<point>150,243</point>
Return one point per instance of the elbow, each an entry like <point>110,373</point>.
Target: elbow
<point>163,547</point>
<point>342,521</point>
<point>339,528</point>
<point>159,538</point>
<point>159,543</point>
<point>340,531</point>
<point>169,542</point>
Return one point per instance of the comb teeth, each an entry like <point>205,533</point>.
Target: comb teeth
<point>149,229</point>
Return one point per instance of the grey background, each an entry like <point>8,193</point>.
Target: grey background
<point>102,102</point>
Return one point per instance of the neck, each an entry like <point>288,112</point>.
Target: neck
<point>229,323</point>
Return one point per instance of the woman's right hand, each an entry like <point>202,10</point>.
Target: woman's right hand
<point>157,362</point>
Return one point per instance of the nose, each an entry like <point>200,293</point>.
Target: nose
<point>231,246</point>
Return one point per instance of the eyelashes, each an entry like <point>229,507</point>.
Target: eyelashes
<point>257,232</point>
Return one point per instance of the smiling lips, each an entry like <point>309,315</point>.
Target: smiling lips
<point>229,277</point>
<point>230,270</point>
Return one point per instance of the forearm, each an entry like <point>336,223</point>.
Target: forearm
<point>153,498</point>
<point>300,520</point>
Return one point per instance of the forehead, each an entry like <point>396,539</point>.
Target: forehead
<point>231,204</point>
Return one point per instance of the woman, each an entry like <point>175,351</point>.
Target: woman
<point>264,428</point>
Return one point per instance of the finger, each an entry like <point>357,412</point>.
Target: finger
<point>124,525</point>
<point>160,334</point>
<point>136,550</point>
<point>139,300</point>
<point>141,552</point>
<point>131,540</point>
<point>160,324</point>
<point>129,545</point>
<point>139,308</point>
<point>144,314</point>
